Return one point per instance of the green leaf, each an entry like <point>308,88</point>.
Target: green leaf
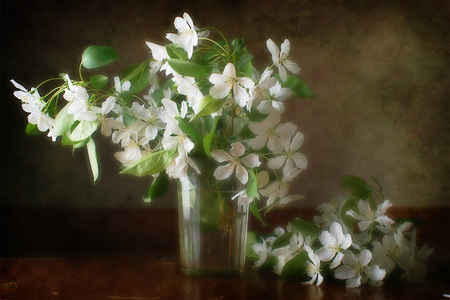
<point>255,211</point>
<point>92,153</point>
<point>207,140</point>
<point>208,105</point>
<point>357,186</point>
<point>295,268</point>
<point>252,185</point>
<point>282,240</point>
<point>187,68</point>
<point>297,86</point>
<point>175,51</point>
<point>99,81</point>
<point>137,75</point>
<point>98,56</point>
<point>82,131</point>
<point>150,164</point>
<point>255,115</point>
<point>244,64</point>
<point>307,228</point>
<point>128,119</point>
<point>190,130</point>
<point>159,186</point>
<point>63,121</point>
<point>32,129</point>
<point>251,240</point>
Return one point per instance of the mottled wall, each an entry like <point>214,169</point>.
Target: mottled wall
<point>379,69</point>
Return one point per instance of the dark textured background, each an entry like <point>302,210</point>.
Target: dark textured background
<point>380,70</point>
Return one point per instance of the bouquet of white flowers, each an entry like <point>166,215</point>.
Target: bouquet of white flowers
<point>202,99</point>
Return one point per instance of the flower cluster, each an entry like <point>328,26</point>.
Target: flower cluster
<point>352,239</point>
<point>201,98</point>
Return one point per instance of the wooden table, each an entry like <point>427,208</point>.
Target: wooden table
<point>74,254</point>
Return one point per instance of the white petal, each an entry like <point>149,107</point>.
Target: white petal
<point>283,74</point>
<point>223,172</point>
<point>300,160</point>
<point>237,149</point>
<point>325,254</point>
<point>381,209</point>
<point>241,174</point>
<point>217,78</point>
<point>245,82</point>
<point>353,282</point>
<point>241,95</point>
<point>273,49</point>
<point>180,24</point>
<point>251,160</point>
<point>285,47</point>
<point>291,66</point>
<point>108,105</point>
<point>220,91</point>
<point>229,70</point>
<point>297,141</point>
<point>344,272</point>
<point>159,53</point>
<point>364,257</point>
<point>375,273</point>
<point>188,19</point>
<point>259,141</point>
<point>276,162</point>
<point>337,260</point>
<point>221,155</point>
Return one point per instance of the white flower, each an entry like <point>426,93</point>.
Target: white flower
<point>234,162</point>
<point>333,243</point>
<point>227,81</point>
<point>259,91</point>
<point>187,35</point>
<point>32,104</point>
<point>290,157</point>
<point>131,154</point>
<point>276,95</point>
<point>175,137</point>
<point>179,166</point>
<point>187,86</point>
<point>148,121</point>
<point>171,111</point>
<point>278,190</point>
<point>79,105</point>
<point>356,269</point>
<point>286,253</point>
<point>263,251</point>
<point>313,267</point>
<point>159,54</point>
<point>108,124</point>
<point>281,59</point>
<point>270,133</point>
<point>367,217</point>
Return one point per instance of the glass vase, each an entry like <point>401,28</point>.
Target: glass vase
<point>212,226</point>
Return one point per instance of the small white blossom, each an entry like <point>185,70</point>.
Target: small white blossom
<point>269,132</point>
<point>187,36</point>
<point>281,58</point>
<point>367,217</point>
<point>356,269</point>
<point>333,243</point>
<point>234,162</point>
<point>227,81</point>
<point>313,267</point>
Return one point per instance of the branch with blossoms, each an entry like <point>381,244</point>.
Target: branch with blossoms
<point>352,239</point>
<point>195,98</point>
